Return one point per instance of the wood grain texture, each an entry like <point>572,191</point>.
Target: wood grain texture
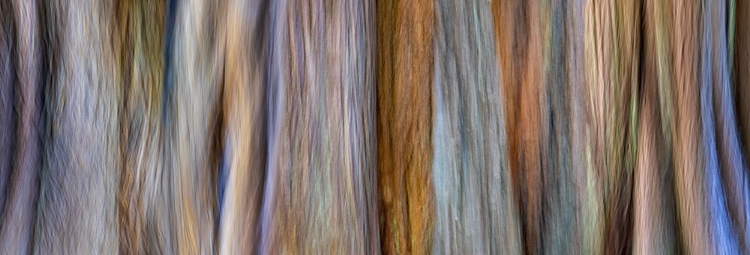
<point>142,201</point>
<point>521,53</point>
<point>77,198</point>
<point>7,98</point>
<point>739,55</point>
<point>16,229</point>
<point>655,228</point>
<point>393,126</point>
<point>243,139</point>
<point>474,201</point>
<point>690,188</point>
<point>405,103</point>
<point>726,172</point>
<point>319,191</point>
<point>191,102</point>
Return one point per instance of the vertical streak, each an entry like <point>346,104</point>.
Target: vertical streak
<point>733,173</point>
<point>82,152</point>
<point>475,209</point>
<point>693,211</point>
<point>653,201</point>
<point>531,138</point>
<point>23,187</point>
<point>558,174</point>
<point>621,125</point>
<point>190,124</point>
<point>599,47</point>
<point>8,81</point>
<point>139,40</point>
<point>579,128</point>
<point>511,31</point>
<point>405,36</point>
<point>244,122</point>
<point>316,198</point>
<point>740,55</point>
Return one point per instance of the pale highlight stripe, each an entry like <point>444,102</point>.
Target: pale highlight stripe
<point>192,97</point>
<point>469,170</point>
<point>244,123</point>
<point>82,153</point>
